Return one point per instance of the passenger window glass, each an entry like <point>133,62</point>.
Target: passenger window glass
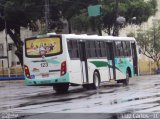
<point>92,48</point>
<point>128,45</point>
<point>88,49</point>
<point>98,49</point>
<point>103,49</point>
<point>109,51</point>
<point>119,48</point>
<point>73,48</point>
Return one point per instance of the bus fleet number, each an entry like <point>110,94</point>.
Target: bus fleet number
<point>44,64</point>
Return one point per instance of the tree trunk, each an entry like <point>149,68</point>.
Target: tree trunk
<point>99,31</point>
<point>69,26</point>
<point>18,43</point>
<point>116,30</point>
<point>109,30</point>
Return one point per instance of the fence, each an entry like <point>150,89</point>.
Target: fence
<point>11,73</point>
<point>147,67</point>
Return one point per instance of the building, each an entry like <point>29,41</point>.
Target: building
<point>9,63</point>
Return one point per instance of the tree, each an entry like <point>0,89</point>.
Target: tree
<point>139,9</point>
<point>18,13</point>
<point>71,8</point>
<point>149,41</point>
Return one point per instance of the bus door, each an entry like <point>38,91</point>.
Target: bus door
<point>83,59</point>
<point>135,59</point>
<point>110,57</point>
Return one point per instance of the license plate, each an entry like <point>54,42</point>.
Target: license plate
<point>45,75</point>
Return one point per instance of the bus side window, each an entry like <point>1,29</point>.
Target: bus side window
<point>124,48</point>
<point>88,49</point>
<point>92,49</point>
<point>108,51</point>
<point>119,48</point>
<point>98,49</point>
<point>73,48</point>
<point>69,43</point>
<point>103,49</point>
<point>128,48</point>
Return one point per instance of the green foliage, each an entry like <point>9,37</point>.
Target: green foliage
<point>140,9</point>
<point>17,14</point>
<point>81,23</point>
<point>131,34</point>
<point>25,13</point>
<point>149,41</point>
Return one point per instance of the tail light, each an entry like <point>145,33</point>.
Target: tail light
<point>63,68</point>
<point>26,69</point>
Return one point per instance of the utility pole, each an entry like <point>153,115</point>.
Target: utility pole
<point>116,29</point>
<point>117,8</point>
<point>5,25</point>
<point>47,15</point>
<point>6,40</point>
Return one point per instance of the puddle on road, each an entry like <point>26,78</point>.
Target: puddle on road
<point>2,86</point>
<point>98,103</point>
<point>133,99</point>
<point>58,98</point>
<point>52,94</point>
<point>79,93</point>
<point>157,85</point>
<point>71,95</point>
<point>104,92</point>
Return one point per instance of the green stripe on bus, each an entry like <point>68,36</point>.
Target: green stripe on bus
<point>105,64</point>
<point>100,63</point>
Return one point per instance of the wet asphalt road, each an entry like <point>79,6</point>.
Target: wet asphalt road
<point>141,96</point>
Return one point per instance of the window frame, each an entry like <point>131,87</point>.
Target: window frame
<point>73,49</point>
<point>49,55</point>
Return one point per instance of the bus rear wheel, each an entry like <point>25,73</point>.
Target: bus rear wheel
<point>61,88</point>
<point>96,80</point>
<point>126,81</point>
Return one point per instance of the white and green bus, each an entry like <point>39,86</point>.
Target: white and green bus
<point>61,60</point>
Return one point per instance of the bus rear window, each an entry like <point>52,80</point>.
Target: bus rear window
<point>43,47</point>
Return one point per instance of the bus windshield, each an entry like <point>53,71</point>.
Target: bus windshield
<point>43,47</point>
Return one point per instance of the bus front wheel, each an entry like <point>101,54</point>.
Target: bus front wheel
<point>61,88</point>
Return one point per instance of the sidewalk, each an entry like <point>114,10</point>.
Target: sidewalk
<point>4,78</point>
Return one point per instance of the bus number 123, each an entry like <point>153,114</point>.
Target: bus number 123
<point>44,64</point>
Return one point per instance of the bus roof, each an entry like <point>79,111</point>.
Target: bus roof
<point>92,37</point>
<point>89,37</point>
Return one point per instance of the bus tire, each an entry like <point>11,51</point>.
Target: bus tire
<point>126,81</point>
<point>96,80</point>
<point>61,88</point>
<point>87,86</point>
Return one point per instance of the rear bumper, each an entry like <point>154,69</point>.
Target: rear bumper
<point>47,81</point>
